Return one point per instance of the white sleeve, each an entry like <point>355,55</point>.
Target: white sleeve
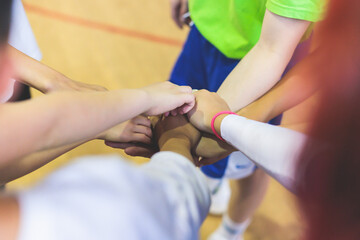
<point>104,197</point>
<point>186,188</point>
<point>21,36</point>
<point>272,148</point>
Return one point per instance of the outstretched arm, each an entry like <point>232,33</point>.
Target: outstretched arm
<point>272,148</point>
<point>293,89</point>
<point>30,163</point>
<point>263,66</point>
<point>180,189</point>
<point>134,130</point>
<point>65,118</point>
<point>41,77</point>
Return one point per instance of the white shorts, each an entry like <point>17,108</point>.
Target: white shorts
<point>239,166</point>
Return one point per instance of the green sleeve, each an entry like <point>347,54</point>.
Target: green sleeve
<point>309,10</point>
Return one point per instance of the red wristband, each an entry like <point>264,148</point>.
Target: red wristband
<point>213,121</point>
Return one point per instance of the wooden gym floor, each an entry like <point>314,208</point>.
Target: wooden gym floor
<point>128,44</point>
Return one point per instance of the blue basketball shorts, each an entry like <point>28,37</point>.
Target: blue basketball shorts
<point>202,66</point>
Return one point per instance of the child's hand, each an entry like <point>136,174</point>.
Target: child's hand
<point>136,130</point>
<point>178,9</point>
<point>139,149</point>
<point>207,105</point>
<point>176,127</point>
<point>211,149</point>
<point>176,134</point>
<point>135,149</point>
<point>164,97</point>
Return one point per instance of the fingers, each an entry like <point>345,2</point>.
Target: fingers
<point>183,10</point>
<point>187,107</point>
<point>133,149</point>
<point>174,112</point>
<point>175,12</point>
<point>185,89</point>
<point>145,137</point>
<point>141,138</point>
<point>140,151</point>
<point>189,103</point>
<point>143,130</point>
<point>178,9</point>
<point>188,98</point>
<point>118,144</point>
<point>142,120</point>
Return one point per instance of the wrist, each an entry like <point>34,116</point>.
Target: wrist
<point>171,141</point>
<point>148,101</point>
<point>216,122</point>
<point>180,145</point>
<point>256,112</point>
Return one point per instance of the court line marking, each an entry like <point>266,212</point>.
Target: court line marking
<point>101,26</point>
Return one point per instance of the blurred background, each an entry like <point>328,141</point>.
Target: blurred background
<point>129,44</point>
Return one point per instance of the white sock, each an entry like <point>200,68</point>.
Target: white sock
<point>213,184</point>
<point>229,230</point>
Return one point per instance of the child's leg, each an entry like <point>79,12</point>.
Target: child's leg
<point>248,193</point>
<point>246,196</point>
<point>200,65</point>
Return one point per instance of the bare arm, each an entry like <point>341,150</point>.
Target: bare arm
<point>134,130</point>
<point>65,118</point>
<point>291,91</point>
<point>9,217</point>
<point>41,77</point>
<point>30,163</point>
<point>263,66</point>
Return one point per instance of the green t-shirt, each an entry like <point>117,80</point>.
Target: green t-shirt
<point>234,26</point>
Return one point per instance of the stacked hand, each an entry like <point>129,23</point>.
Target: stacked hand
<point>178,10</point>
<point>207,105</point>
<point>209,148</point>
<point>135,136</point>
<point>165,96</point>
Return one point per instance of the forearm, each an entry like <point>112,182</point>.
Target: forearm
<point>33,73</point>
<point>263,66</point>
<point>9,218</point>
<point>295,87</point>
<point>64,118</point>
<point>178,145</point>
<point>256,74</point>
<point>31,163</point>
<point>274,149</point>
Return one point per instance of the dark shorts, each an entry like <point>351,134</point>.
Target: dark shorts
<point>201,66</point>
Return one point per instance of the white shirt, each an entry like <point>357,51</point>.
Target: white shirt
<point>107,198</point>
<point>22,38</point>
<point>272,148</point>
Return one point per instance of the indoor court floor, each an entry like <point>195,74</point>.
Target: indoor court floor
<point>128,44</point>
